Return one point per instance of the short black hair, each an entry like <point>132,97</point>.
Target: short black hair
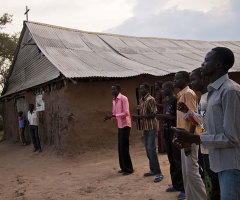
<point>20,113</point>
<point>146,85</point>
<point>185,75</point>
<point>117,86</point>
<point>169,85</point>
<point>198,72</point>
<point>225,56</point>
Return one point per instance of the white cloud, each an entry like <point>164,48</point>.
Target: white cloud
<point>90,15</point>
<point>196,5</point>
<point>184,21</point>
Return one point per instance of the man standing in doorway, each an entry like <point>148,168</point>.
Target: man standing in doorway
<point>33,127</point>
<point>120,111</point>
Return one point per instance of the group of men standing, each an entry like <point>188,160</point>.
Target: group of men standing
<point>204,128</point>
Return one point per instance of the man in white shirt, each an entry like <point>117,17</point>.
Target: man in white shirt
<point>33,127</point>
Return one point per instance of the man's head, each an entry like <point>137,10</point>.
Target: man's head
<point>181,79</point>
<point>116,89</point>
<point>20,113</point>
<point>31,107</point>
<point>219,59</point>
<point>158,85</point>
<point>167,88</point>
<point>197,80</point>
<point>144,89</point>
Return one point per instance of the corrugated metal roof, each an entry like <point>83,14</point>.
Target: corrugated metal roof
<point>79,54</point>
<point>31,67</point>
<point>83,54</point>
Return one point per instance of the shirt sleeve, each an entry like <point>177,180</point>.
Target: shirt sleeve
<point>230,135</point>
<point>191,101</point>
<point>113,106</point>
<point>125,108</point>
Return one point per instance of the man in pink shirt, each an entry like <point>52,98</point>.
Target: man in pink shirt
<point>121,112</point>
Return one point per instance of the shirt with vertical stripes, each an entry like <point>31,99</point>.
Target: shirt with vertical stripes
<point>148,107</point>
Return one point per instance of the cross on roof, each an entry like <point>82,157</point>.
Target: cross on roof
<point>26,13</point>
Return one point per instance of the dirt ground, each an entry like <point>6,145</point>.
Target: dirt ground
<point>26,175</point>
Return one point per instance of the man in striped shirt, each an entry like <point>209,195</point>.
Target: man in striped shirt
<point>148,110</point>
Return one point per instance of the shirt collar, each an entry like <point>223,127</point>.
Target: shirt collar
<point>182,91</point>
<point>218,83</point>
<point>118,97</point>
<point>145,97</point>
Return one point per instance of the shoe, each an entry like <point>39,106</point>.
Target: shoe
<point>40,150</point>
<point>158,178</point>
<point>120,171</point>
<point>34,150</point>
<point>149,174</point>
<point>181,196</point>
<point>126,173</point>
<point>171,189</point>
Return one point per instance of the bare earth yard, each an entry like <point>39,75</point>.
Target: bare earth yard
<point>26,175</point>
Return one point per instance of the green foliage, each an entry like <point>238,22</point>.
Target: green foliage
<point>6,18</point>
<point>8,44</point>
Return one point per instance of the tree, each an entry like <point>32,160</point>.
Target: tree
<point>8,44</point>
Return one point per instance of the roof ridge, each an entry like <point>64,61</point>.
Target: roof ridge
<point>113,34</point>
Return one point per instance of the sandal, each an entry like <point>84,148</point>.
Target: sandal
<point>158,178</point>
<point>149,174</point>
<point>181,196</point>
<point>171,189</point>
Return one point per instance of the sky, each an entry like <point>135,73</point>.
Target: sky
<point>181,19</point>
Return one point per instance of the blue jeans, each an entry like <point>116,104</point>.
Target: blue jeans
<point>229,181</point>
<point>150,145</point>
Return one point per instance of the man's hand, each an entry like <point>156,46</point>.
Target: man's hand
<point>108,117</point>
<point>183,138</point>
<point>182,107</point>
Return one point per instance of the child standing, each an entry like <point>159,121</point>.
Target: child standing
<point>21,127</point>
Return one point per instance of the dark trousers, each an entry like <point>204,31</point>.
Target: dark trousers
<point>174,157</point>
<point>161,143</point>
<point>211,180</point>
<point>35,137</point>
<point>150,145</point>
<point>123,149</point>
